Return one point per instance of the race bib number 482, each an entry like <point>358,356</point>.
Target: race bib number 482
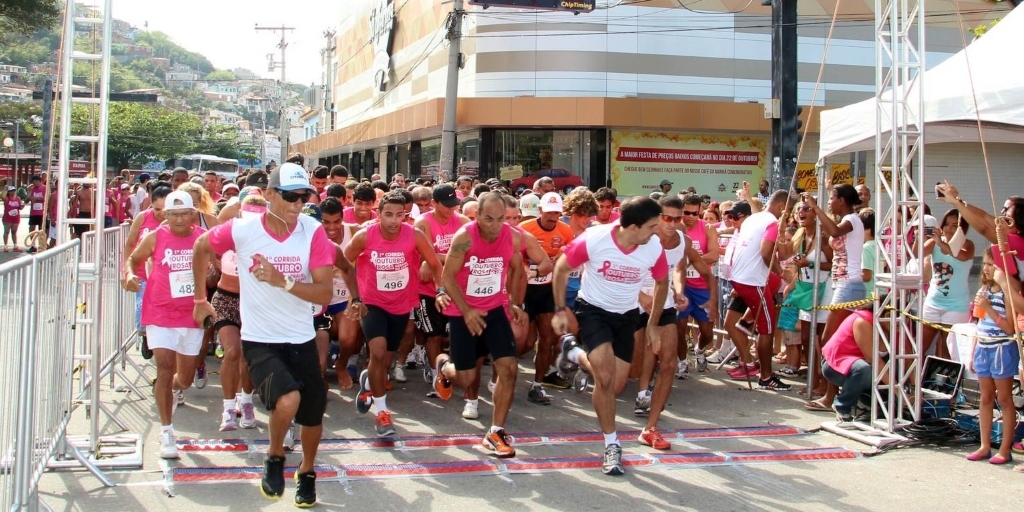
<point>182,284</point>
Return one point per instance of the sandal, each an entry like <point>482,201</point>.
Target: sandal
<point>817,406</point>
<point>814,394</point>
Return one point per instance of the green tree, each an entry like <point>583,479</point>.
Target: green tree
<point>222,141</point>
<point>27,16</point>
<point>142,133</point>
<point>221,75</point>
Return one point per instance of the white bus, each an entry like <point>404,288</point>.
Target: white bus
<point>225,167</point>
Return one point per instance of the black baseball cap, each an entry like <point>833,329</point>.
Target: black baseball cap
<point>257,179</point>
<point>739,208</point>
<point>445,194</point>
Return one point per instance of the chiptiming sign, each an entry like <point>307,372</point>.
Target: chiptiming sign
<point>716,165</point>
<point>576,6</point>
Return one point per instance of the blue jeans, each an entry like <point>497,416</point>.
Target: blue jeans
<point>851,386</point>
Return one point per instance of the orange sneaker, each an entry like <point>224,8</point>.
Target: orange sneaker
<point>441,384</point>
<point>383,424</point>
<point>652,437</point>
<point>498,444</point>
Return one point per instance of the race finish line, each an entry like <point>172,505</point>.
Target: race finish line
<point>454,440</point>
<point>496,467</point>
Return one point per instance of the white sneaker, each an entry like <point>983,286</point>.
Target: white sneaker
<point>228,421</point>
<point>399,374</point>
<point>471,410</point>
<point>168,450</point>
<point>289,438</point>
<point>248,416</point>
<point>683,370</point>
<point>179,400</point>
<point>491,386</point>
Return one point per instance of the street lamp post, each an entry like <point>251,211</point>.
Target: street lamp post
<point>14,145</point>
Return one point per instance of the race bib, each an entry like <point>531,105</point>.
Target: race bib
<point>691,273</point>
<point>37,207</point>
<point>340,291</point>
<point>182,284</point>
<point>576,273</point>
<point>392,281</point>
<point>483,286</point>
<point>539,280</point>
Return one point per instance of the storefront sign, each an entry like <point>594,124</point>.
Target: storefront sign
<point>576,6</point>
<point>807,177</point>
<point>512,172</point>
<point>716,165</point>
<point>382,30</point>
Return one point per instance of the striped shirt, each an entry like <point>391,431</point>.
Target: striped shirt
<point>987,326</point>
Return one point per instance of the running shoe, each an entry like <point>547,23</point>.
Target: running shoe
<point>399,375</point>
<point>643,406</point>
<point>773,384</point>
<point>248,416</point>
<point>228,421</point>
<point>716,358</point>
<point>219,351</point>
<point>538,396</point>
<point>702,361</point>
<point>147,354</point>
<point>652,437</point>
<point>272,483</point>
<point>365,397</point>
<point>428,375</point>
<point>842,417</point>
<point>553,380</point>
<point>491,386</point>
<point>580,380</point>
<point>179,399</point>
<point>305,490</point>
<point>683,370</point>
<point>200,377</point>
<point>499,444</point>
<point>743,371</point>
<point>382,423</point>
<point>290,437</point>
<point>564,366</point>
<point>613,461</point>
<point>788,371</point>
<point>168,448</point>
<point>471,410</point>
<point>441,384</point>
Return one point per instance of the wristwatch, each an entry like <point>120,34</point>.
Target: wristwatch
<point>289,283</point>
<point>441,290</point>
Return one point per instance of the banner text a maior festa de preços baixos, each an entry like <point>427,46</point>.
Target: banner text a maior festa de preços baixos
<point>716,165</point>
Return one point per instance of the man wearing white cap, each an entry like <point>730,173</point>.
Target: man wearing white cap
<point>285,264</point>
<point>553,235</point>
<point>173,334</point>
<point>529,206</point>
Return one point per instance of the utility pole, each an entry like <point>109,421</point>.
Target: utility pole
<point>786,126</point>
<point>272,65</point>
<point>451,97</point>
<point>327,101</point>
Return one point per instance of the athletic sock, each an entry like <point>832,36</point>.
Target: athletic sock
<point>495,428</point>
<point>643,394</point>
<point>381,403</point>
<point>574,355</point>
<point>474,401</point>
<point>167,428</point>
<point>230,405</point>
<point>536,385</point>
<point>610,439</point>
<point>246,398</point>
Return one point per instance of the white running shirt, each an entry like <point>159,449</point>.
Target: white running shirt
<point>744,253</point>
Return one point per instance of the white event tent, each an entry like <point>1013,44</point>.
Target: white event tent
<point>949,102</point>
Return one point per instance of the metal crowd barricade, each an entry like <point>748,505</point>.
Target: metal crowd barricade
<point>15,279</point>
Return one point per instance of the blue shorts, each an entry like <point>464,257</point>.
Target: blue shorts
<point>138,307</point>
<point>334,309</point>
<point>570,298</point>
<point>848,291</point>
<point>998,361</point>
<point>697,298</point>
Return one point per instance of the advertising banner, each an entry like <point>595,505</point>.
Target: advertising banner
<point>716,165</point>
<point>807,178</point>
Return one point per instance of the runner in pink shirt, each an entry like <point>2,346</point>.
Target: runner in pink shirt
<point>481,267</point>
<point>37,199</point>
<point>387,255</point>
<point>12,217</point>
<point>173,334</point>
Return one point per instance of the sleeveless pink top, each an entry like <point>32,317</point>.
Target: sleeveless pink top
<point>441,240</point>
<point>482,276</point>
<point>699,240</point>
<point>168,300</point>
<point>348,215</point>
<point>386,268</point>
<point>149,224</point>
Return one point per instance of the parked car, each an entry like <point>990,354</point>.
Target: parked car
<point>565,181</point>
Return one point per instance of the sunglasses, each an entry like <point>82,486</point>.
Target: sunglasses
<point>691,214</point>
<point>671,218</point>
<point>803,208</point>
<point>291,197</point>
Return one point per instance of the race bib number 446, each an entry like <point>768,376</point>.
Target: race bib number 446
<point>483,286</point>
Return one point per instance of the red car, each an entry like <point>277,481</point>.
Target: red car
<point>565,181</point>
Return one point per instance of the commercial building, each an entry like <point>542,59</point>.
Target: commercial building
<point>629,95</point>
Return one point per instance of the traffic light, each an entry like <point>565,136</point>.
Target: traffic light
<point>792,130</point>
